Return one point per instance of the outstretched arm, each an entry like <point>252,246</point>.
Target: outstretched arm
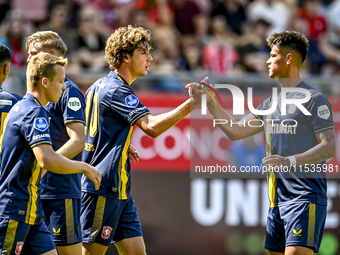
<point>156,125</point>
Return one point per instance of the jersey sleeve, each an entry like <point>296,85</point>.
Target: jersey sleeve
<point>321,110</point>
<point>127,104</point>
<point>35,127</point>
<point>262,106</point>
<point>73,105</point>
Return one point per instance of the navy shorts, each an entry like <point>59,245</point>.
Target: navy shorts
<point>107,220</point>
<point>21,238</point>
<point>62,218</point>
<point>300,224</point>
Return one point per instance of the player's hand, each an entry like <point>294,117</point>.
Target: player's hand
<point>275,160</point>
<point>133,154</point>
<point>195,90</point>
<point>94,175</point>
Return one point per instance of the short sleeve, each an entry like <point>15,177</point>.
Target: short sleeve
<point>261,107</point>
<point>35,127</point>
<point>73,105</point>
<point>321,110</point>
<point>127,104</point>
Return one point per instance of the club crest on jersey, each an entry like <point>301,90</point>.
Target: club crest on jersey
<point>106,232</point>
<point>74,103</point>
<point>324,112</point>
<point>41,124</point>
<point>131,101</point>
<point>18,248</point>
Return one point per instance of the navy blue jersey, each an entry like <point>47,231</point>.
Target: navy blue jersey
<point>25,127</point>
<point>69,108</point>
<point>7,100</point>
<point>112,109</point>
<point>292,134</point>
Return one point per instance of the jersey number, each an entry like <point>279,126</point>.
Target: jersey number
<point>92,114</point>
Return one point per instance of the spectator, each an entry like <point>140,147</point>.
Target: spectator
<point>274,12</point>
<point>233,12</point>
<point>90,40</point>
<point>219,55</point>
<point>188,18</point>
<point>58,22</point>
<point>252,47</point>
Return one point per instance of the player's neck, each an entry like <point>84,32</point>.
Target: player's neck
<point>126,74</point>
<point>38,95</point>
<point>292,78</point>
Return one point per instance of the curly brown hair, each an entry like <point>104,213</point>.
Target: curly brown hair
<point>49,40</point>
<point>292,40</point>
<point>42,65</point>
<point>124,41</point>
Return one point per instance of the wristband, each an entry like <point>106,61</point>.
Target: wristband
<point>292,160</point>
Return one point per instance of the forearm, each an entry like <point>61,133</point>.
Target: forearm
<point>235,130</point>
<point>317,154</point>
<point>162,122</point>
<point>71,148</point>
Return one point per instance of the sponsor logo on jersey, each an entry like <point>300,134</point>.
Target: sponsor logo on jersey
<point>281,129</point>
<point>131,101</point>
<point>56,232</point>
<point>297,233</point>
<point>40,124</point>
<point>106,232</point>
<point>18,248</point>
<point>41,136</point>
<point>5,102</point>
<point>137,110</point>
<point>74,103</point>
<point>324,112</point>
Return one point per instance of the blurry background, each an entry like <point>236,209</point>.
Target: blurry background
<point>222,39</point>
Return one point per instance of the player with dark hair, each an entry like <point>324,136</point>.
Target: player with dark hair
<point>7,100</point>
<point>298,199</point>
<point>25,149</point>
<point>112,109</point>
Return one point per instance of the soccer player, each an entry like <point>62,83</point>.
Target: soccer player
<point>60,194</point>
<point>298,199</point>
<point>25,150</point>
<point>7,100</point>
<point>112,109</point>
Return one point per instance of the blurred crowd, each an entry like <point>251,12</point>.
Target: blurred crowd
<point>225,37</point>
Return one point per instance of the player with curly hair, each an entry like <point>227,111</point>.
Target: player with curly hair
<point>112,109</point>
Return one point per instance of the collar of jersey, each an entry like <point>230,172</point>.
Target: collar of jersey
<point>30,96</point>
<point>113,73</point>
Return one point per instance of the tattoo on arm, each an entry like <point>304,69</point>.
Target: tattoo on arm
<point>324,150</point>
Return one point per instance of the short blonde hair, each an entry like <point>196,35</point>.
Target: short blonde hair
<point>42,65</point>
<point>123,42</point>
<point>49,40</point>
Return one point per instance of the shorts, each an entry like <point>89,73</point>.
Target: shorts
<point>108,220</point>
<point>18,237</point>
<point>62,218</point>
<point>300,224</point>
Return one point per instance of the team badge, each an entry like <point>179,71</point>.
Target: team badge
<point>291,109</point>
<point>324,112</point>
<point>41,124</point>
<point>131,101</point>
<point>106,232</point>
<point>74,103</point>
<point>18,248</point>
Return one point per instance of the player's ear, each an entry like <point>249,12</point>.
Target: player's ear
<point>289,58</point>
<point>7,69</point>
<point>44,82</point>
